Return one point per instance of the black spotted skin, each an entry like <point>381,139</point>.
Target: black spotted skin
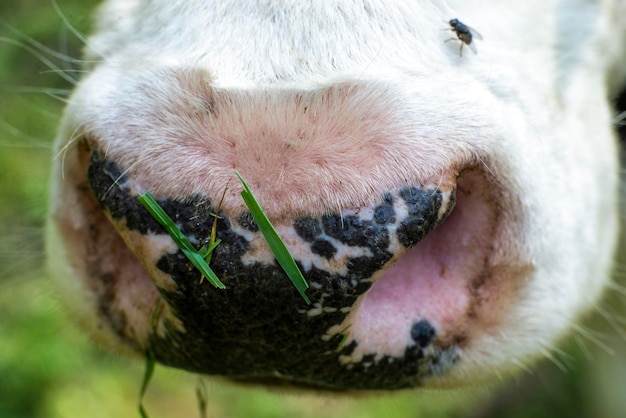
<point>259,328</point>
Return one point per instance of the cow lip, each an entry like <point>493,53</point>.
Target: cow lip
<point>133,287</point>
<point>356,244</point>
<point>450,279</point>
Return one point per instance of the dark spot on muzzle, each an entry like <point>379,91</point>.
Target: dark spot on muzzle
<point>324,248</point>
<point>259,328</point>
<point>423,333</point>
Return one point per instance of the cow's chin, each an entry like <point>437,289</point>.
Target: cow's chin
<point>401,291</point>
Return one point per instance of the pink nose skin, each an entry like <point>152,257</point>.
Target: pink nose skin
<point>259,328</point>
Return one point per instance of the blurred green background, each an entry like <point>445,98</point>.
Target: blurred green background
<point>49,369</point>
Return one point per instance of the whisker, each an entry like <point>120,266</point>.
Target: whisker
<point>486,166</point>
<point>58,98</point>
<point>580,343</point>
<point>440,180</point>
<point>562,360</point>
<point>38,110</point>
<point>617,287</point>
<point>549,354</point>
<point>72,29</point>
<point>38,90</point>
<point>523,367</point>
<point>41,47</point>
<point>593,337</point>
<point>116,181</point>
<point>40,57</point>
<point>64,41</point>
<point>613,320</point>
<point>63,151</point>
<point>31,142</point>
<point>69,70</point>
<point>618,270</point>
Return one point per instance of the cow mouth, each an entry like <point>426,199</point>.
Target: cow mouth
<point>396,293</point>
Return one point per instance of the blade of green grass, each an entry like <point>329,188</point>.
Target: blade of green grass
<point>342,343</point>
<point>202,397</point>
<point>344,337</point>
<point>156,314</point>
<point>150,363</point>
<point>274,241</point>
<point>213,242</point>
<point>180,239</point>
<point>206,252</point>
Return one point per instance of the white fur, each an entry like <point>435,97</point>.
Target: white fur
<point>531,106</point>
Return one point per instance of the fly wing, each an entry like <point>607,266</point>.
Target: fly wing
<point>472,46</point>
<point>475,33</point>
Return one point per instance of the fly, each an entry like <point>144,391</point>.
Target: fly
<point>465,34</point>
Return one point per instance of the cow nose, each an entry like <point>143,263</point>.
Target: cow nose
<point>260,313</point>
